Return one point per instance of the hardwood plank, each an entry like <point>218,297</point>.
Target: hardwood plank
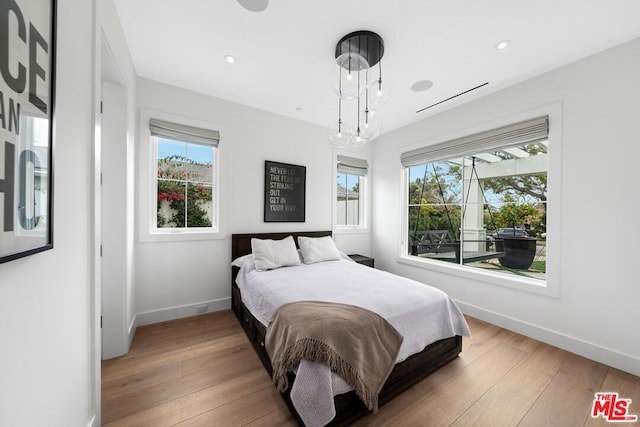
<point>520,341</point>
<point>484,337</point>
<point>166,336</point>
<point>140,380</point>
<point>136,364</point>
<point>280,418</point>
<point>219,357</point>
<point>249,409</point>
<point>567,400</point>
<point>226,368</point>
<point>398,406</point>
<point>184,408</point>
<point>443,405</point>
<point>203,371</point>
<point>480,341</point>
<point>509,399</point>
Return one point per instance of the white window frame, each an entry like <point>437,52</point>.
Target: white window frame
<point>549,287</point>
<point>363,221</point>
<point>361,186</point>
<point>148,232</point>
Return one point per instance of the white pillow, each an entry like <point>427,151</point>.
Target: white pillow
<point>316,249</point>
<point>238,261</point>
<point>269,254</point>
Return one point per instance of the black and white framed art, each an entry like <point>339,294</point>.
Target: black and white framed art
<point>27,86</point>
<point>284,192</point>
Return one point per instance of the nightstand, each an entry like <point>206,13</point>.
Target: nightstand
<point>361,259</point>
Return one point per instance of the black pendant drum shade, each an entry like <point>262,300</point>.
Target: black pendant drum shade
<point>367,44</point>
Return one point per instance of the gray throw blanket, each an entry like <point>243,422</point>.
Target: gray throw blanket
<point>357,344</point>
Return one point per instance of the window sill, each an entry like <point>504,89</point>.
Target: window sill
<point>351,230</point>
<point>540,287</point>
<point>180,236</point>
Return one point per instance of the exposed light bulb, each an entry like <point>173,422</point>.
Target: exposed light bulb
<point>380,92</point>
<point>340,137</point>
<point>349,69</point>
<point>359,141</point>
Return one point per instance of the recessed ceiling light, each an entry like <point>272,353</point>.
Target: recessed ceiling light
<point>230,59</point>
<point>421,85</point>
<point>502,44</point>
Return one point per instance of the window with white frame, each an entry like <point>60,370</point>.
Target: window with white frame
<point>481,200</point>
<point>350,186</point>
<point>185,176</point>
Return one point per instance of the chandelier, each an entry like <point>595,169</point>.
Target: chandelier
<point>356,55</point>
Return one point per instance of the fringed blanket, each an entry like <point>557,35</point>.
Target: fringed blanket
<point>357,344</point>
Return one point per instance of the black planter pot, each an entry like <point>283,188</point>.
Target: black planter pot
<point>519,252</point>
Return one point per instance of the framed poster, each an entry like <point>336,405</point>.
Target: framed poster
<point>27,83</point>
<point>284,192</point>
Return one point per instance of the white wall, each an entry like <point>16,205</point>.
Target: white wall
<point>173,277</point>
<point>45,298</point>
<point>596,311</point>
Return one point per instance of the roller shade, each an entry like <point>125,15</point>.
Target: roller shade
<point>352,166</point>
<point>507,136</point>
<point>164,129</point>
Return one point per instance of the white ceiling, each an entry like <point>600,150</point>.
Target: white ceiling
<point>285,54</point>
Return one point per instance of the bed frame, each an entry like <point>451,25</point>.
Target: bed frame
<point>348,406</point>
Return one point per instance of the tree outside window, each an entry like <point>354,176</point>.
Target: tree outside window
<point>464,209</point>
<point>185,197</point>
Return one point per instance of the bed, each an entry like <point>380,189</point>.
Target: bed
<point>348,407</point>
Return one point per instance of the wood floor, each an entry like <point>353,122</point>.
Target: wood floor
<point>202,371</point>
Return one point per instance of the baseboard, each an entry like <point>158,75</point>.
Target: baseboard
<point>131,331</point>
<point>179,312</point>
<point>624,362</point>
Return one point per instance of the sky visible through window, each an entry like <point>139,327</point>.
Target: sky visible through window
<point>491,197</point>
<point>197,153</point>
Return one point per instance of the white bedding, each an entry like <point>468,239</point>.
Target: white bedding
<point>421,313</point>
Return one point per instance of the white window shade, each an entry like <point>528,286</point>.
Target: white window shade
<point>184,133</point>
<point>352,165</point>
<point>515,134</point>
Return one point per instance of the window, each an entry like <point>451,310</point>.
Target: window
<point>348,199</point>
<point>481,200</point>
<point>350,184</point>
<point>185,196</point>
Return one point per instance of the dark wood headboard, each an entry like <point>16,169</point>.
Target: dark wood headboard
<point>241,243</point>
